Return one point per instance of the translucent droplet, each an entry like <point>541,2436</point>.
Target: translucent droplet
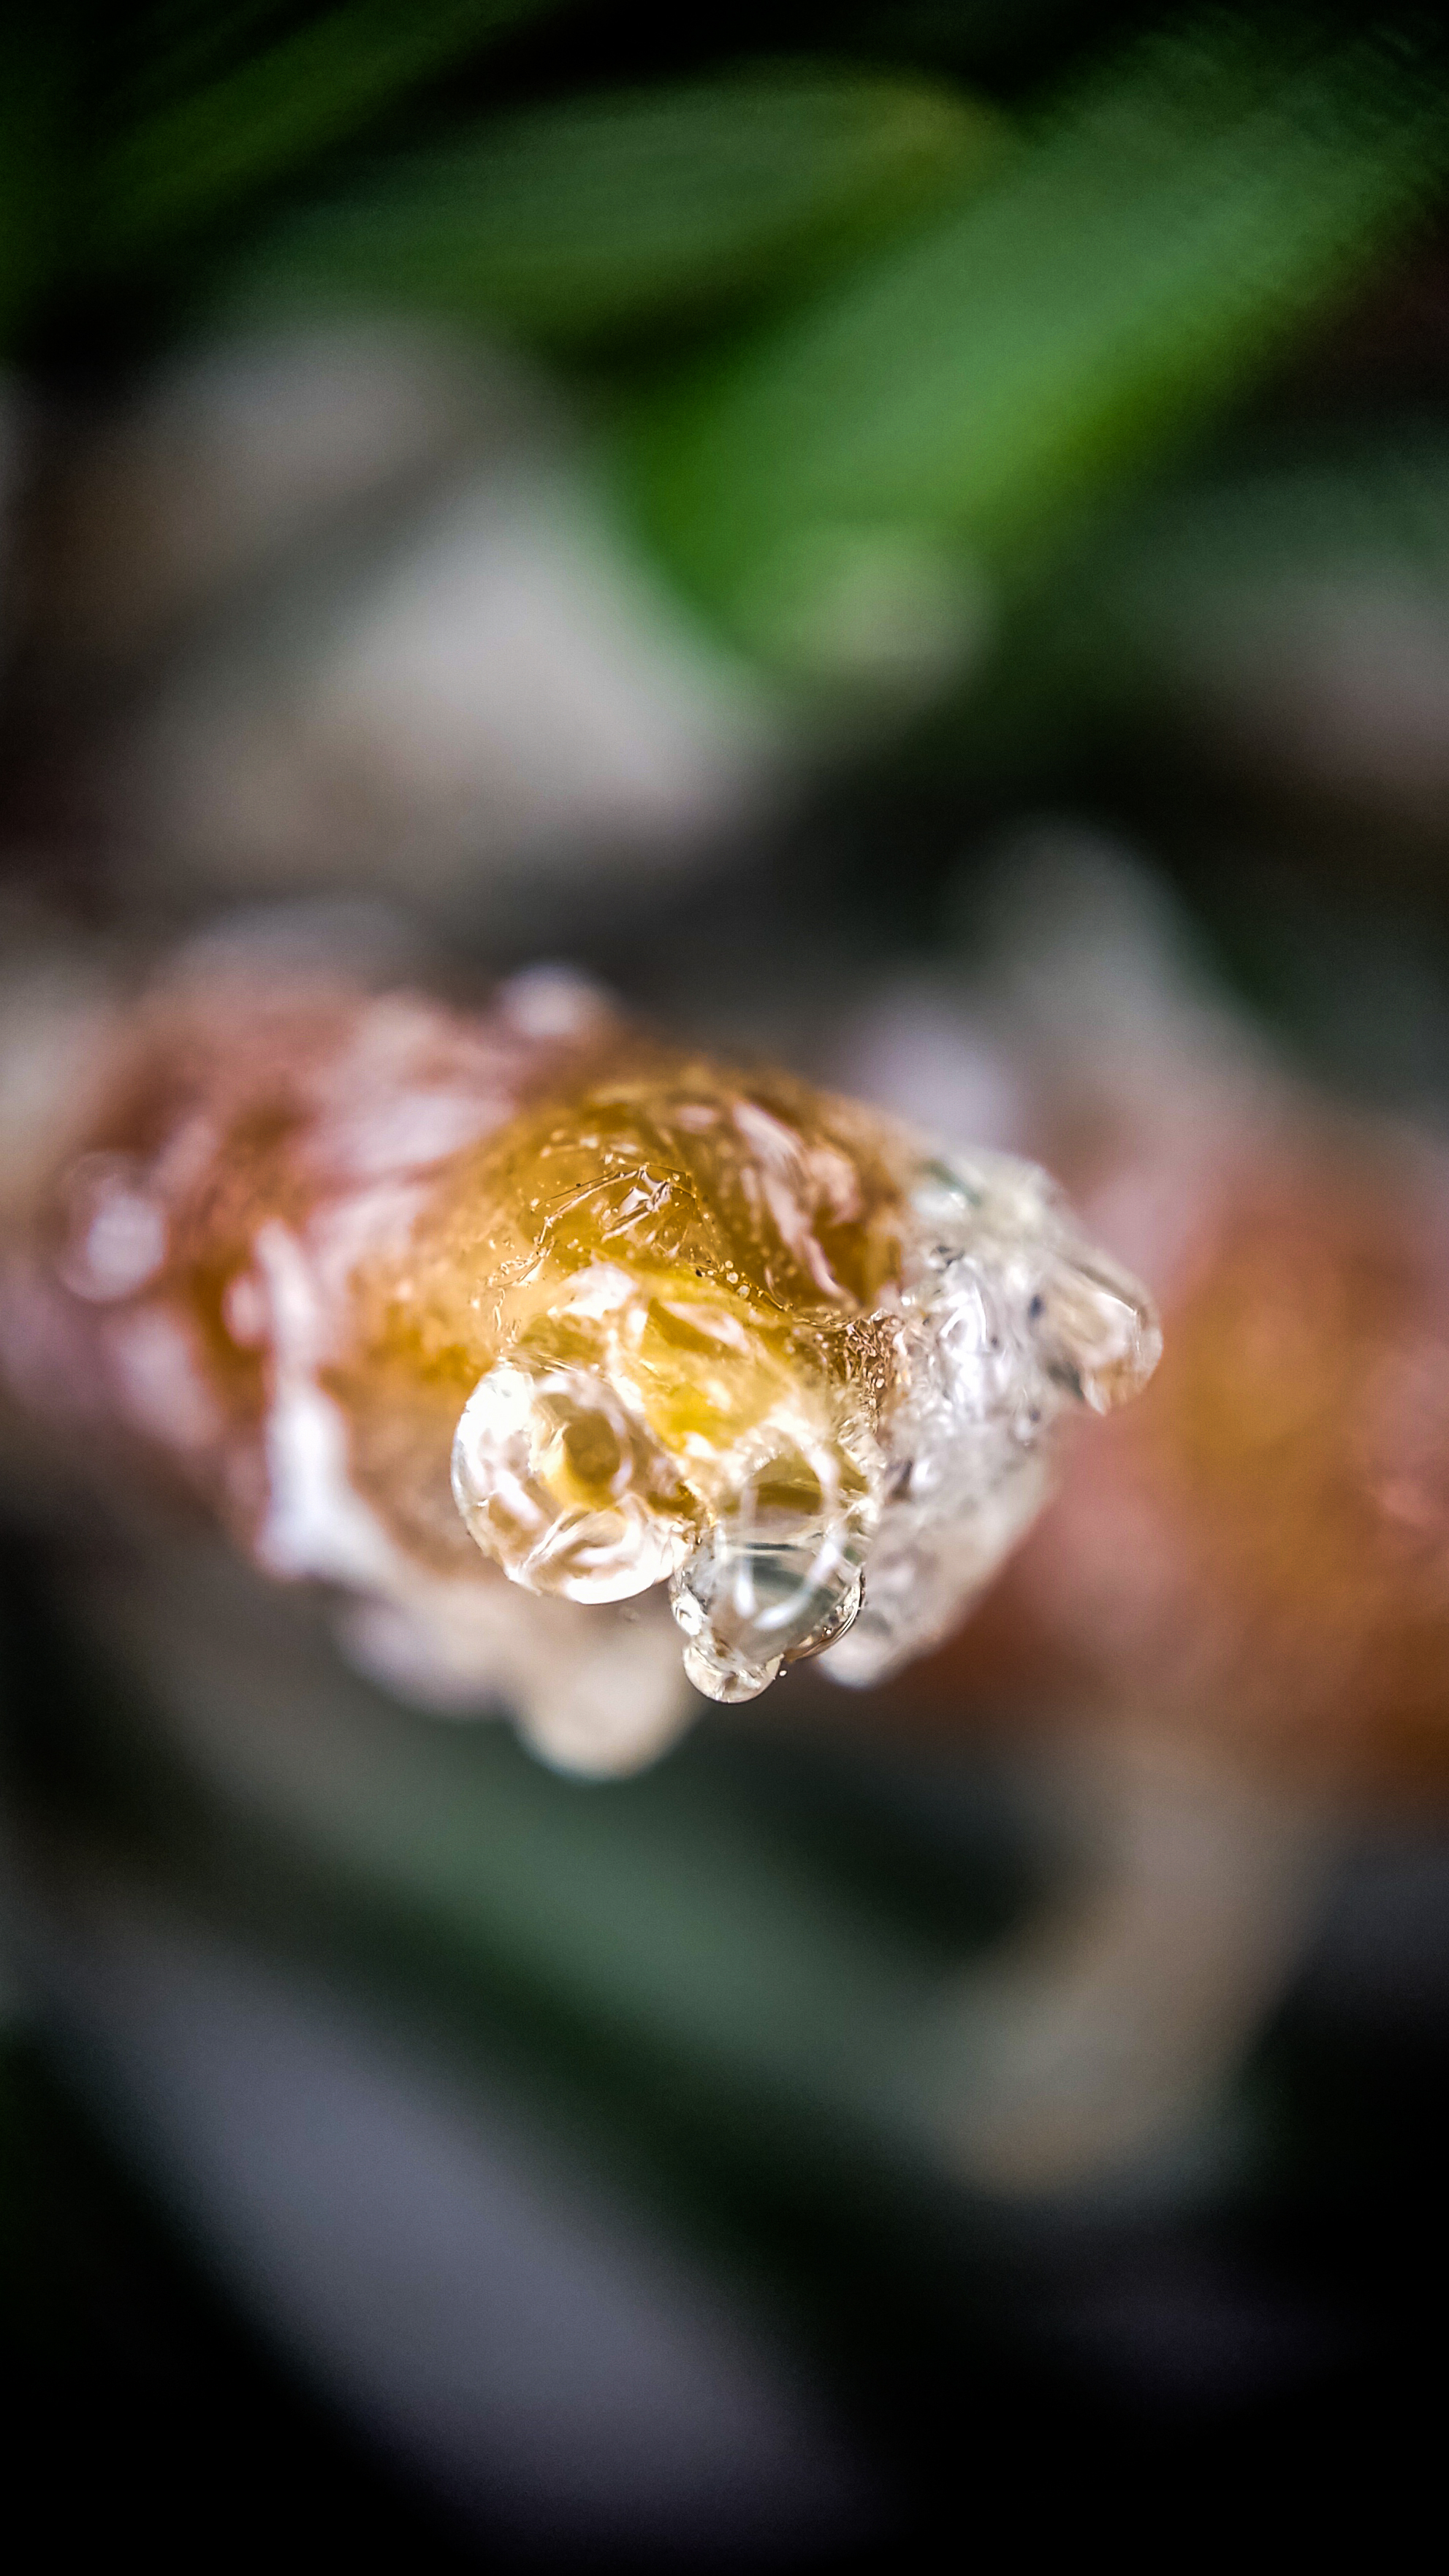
<point>1100,1331</point>
<point>836,1624</point>
<point>561,1484</point>
<point>727,1678</point>
<point>760,1590</point>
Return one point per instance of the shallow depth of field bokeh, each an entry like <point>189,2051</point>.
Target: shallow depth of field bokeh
<point>913,542</point>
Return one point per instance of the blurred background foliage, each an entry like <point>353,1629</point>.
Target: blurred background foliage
<point>897,330</point>
<point>1030,410</point>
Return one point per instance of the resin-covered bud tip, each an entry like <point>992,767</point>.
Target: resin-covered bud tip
<point>783,1355</point>
<point>713,1337</point>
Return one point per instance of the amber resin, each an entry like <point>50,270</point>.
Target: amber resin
<point>398,1285</point>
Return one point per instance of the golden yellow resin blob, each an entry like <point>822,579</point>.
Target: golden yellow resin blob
<point>659,1298</point>
<point>682,1317</point>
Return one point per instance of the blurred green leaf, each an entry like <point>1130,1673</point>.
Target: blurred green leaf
<point>32,84</point>
<point>569,222</point>
<point>198,155</point>
<point>948,409</point>
<point>157,52</point>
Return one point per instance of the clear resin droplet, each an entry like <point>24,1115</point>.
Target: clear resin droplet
<point>559,1480</point>
<point>764,1588</point>
<point>833,1626</point>
<point>1007,1320</point>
